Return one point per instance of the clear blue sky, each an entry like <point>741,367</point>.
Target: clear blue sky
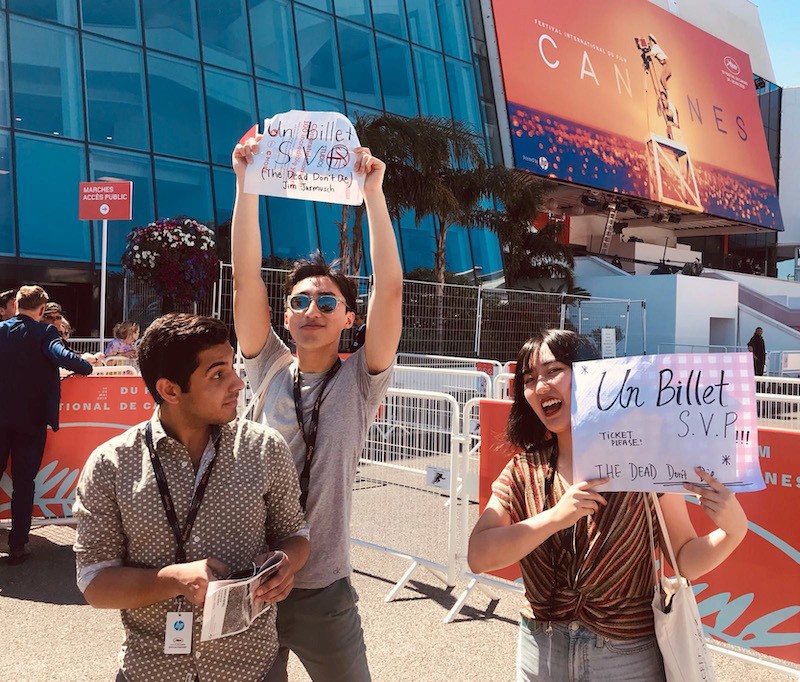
<point>781,22</point>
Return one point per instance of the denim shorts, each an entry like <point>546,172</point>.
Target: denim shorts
<point>570,652</point>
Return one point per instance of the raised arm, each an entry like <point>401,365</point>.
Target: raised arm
<point>53,347</point>
<point>384,314</point>
<point>496,542</point>
<point>251,312</point>
<point>699,555</point>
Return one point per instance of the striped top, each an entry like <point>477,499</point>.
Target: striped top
<point>599,571</point>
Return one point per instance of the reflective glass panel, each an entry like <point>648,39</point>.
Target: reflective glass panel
<point>224,194</point>
<point>433,98</point>
<point>274,49</point>
<point>397,77</point>
<point>183,189</point>
<point>113,18</point>
<point>423,24</point>
<point>46,79</point>
<point>107,163</point>
<point>458,257</point>
<point>390,16</point>
<point>324,5</point>
<point>328,215</point>
<point>419,244</point>
<point>171,26</point>
<point>8,240</point>
<point>48,223</point>
<point>354,109</point>
<point>231,111</point>
<point>60,11</point>
<point>273,99</point>
<point>486,248</point>
<point>359,65</point>
<point>455,34</point>
<point>115,94</point>
<point>176,108</point>
<point>464,94</point>
<point>223,29</point>
<point>5,116</point>
<point>293,226</point>
<point>319,103</point>
<point>319,62</point>
<point>355,10</point>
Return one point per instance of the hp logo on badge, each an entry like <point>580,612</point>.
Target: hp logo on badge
<point>179,625</point>
<point>544,164</point>
<point>104,209</point>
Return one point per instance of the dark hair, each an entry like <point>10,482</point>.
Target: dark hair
<point>525,430</point>
<point>7,296</point>
<point>316,266</point>
<point>171,345</point>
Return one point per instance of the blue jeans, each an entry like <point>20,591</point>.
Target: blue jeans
<point>570,652</point>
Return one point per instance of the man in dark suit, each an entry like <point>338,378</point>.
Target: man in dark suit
<point>360,334</point>
<point>30,354</point>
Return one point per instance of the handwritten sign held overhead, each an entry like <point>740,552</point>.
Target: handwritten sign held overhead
<point>647,422</point>
<point>307,155</point>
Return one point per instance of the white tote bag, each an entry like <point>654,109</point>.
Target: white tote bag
<point>678,628</point>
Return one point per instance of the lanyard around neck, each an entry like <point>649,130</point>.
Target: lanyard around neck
<point>181,535</point>
<point>310,438</point>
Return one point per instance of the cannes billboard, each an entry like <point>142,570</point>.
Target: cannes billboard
<point>623,96</point>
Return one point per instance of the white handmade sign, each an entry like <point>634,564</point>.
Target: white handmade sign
<point>647,422</point>
<point>307,155</point>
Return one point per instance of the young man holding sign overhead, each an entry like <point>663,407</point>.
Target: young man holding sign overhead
<point>322,406</point>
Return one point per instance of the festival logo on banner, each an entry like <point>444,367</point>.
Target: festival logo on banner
<point>745,600</point>
<point>307,155</point>
<point>93,410</point>
<point>623,96</point>
<point>647,422</point>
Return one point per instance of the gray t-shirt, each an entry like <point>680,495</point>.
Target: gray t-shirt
<point>348,408</point>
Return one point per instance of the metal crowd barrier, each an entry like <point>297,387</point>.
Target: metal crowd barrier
<point>502,386</point>
<point>461,384</point>
<point>490,367</point>
<point>410,467</point>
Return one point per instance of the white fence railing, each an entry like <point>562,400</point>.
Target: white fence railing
<point>410,465</point>
<point>462,384</point>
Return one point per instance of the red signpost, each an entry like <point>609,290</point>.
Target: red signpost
<point>105,201</point>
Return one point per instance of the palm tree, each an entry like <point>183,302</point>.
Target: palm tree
<point>436,167</point>
<point>540,255</point>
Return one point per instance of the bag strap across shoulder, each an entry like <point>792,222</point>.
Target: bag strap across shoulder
<point>256,406</point>
<point>663,525</point>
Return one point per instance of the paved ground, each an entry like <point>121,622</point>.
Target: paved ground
<point>48,633</point>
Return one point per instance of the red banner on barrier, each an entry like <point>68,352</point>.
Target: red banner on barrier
<point>93,410</point>
<point>751,600</point>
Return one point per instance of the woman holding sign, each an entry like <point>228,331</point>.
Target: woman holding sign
<point>585,556</point>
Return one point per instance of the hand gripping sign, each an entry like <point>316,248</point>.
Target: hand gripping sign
<point>307,155</point>
<point>647,422</point>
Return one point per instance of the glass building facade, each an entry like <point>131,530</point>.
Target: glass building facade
<point>159,91</point>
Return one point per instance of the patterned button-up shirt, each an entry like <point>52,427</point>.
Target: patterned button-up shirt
<point>251,502</point>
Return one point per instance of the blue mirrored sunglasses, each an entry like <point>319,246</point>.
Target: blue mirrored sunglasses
<point>326,303</point>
